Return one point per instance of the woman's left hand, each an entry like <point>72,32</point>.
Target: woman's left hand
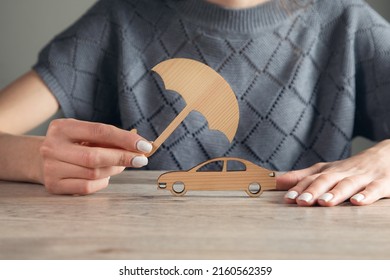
<point>363,179</point>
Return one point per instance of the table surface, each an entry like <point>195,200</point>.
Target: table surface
<point>131,219</point>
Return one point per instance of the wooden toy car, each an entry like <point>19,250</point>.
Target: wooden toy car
<point>230,174</point>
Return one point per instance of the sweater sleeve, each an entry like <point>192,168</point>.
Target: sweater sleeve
<point>79,67</point>
<point>372,47</point>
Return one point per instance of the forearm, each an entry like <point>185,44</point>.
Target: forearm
<point>20,158</point>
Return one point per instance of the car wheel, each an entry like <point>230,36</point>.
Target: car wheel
<point>254,189</point>
<point>178,188</point>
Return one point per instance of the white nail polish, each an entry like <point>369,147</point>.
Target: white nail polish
<point>139,161</point>
<point>144,146</point>
<point>358,197</point>
<point>307,197</point>
<point>326,197</point>
<point>291,195</point>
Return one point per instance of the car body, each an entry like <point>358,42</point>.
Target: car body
<point>234,174</point>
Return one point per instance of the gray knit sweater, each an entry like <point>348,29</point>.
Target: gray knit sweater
<point>307,80</point>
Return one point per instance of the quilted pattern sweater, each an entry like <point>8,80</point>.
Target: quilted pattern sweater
<point>307,80</point>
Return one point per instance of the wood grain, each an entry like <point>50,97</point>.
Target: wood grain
<point>204,90</point>
<point>250,176</point>
<point>132,219</point>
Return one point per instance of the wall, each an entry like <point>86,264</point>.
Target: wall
<point>26,25</point>
<point>382,6</point>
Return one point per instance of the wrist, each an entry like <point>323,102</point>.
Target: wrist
<point>34,172</point>
<point>21,159</point>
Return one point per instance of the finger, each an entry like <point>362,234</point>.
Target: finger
<point>292,178</point>
<point>64,170</point>
<point>77,186</point>
<point>98,133</point>
<point>343,190</point>
<point>374,191</point>
<point>94,157</point>
<point>320,185</point>
<point>292,195</point>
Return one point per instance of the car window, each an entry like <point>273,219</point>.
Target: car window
<point>235,165</point>
<point>211,166</point>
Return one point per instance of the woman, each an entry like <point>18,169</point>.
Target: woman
<point>308,78</point>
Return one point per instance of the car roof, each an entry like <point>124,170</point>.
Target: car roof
<point>246,162</point>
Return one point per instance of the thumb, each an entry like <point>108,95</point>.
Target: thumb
<point>287,180</point>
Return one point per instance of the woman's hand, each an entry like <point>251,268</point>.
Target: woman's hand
<point>363,179</point>
<point>79,157</point>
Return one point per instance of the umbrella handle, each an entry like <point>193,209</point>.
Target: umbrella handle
<point>168,131</point>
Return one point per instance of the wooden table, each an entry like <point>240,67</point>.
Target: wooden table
<point>133,220</point>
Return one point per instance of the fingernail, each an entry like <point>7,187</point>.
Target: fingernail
<point>139,161</point>
<point>358,197</point>
<point>144,146</point>
<point>326,197</point>
<point>291,195</point>
<point>306,197</point>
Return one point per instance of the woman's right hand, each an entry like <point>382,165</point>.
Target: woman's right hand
<point>79,157</point>
<point>75,157</point>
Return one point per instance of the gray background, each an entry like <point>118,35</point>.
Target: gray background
<point>27,25</point>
